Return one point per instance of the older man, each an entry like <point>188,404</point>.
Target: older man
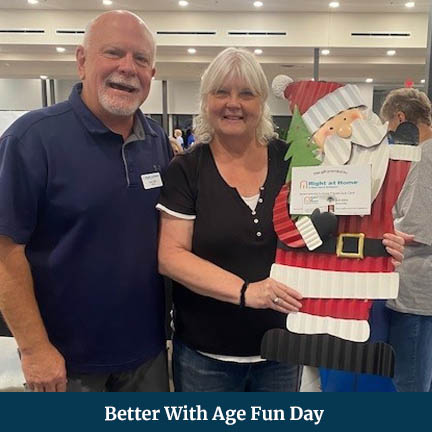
<point>79,181</point>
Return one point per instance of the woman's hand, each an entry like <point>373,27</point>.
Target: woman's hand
<point>395,245</point>
<point>270,294</point>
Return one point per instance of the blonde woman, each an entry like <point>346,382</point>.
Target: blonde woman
<point>217,240</point>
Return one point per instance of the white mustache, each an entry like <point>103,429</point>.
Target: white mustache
<point>118,79</point>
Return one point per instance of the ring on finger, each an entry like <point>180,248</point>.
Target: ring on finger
<point>276,300</point>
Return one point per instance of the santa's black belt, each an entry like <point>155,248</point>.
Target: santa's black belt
<point>346,245</point>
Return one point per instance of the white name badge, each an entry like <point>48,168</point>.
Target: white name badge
<point>152,180</point>
<point>343,190</point>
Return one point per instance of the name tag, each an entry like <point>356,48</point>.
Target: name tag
<point>152,180</point>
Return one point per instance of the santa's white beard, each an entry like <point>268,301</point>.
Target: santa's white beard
<point>367,145</point>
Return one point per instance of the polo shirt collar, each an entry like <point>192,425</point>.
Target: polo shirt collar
<point>95,126</point>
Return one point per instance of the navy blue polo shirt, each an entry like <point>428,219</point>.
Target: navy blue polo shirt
<point>71,190</point>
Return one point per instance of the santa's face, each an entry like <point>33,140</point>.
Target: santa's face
<point>339,125</point>
<point>354,137</point>
<point>341,135</point>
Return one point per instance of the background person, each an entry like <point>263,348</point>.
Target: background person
<point>79,286</point>
<point>411,312</point>
<point>178,136</point>
<point>175,146</point>
<point>190,138</point>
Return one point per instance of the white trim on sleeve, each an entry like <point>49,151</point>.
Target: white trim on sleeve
<point>161,207</point>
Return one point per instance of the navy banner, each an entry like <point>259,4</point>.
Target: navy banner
<point>214,411</point>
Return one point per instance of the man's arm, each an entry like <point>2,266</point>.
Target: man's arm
<point>43,366</point>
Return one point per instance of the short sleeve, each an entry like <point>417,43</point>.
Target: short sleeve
<point>23,173</point>
<point>414,205</point>
<point>178,194</point>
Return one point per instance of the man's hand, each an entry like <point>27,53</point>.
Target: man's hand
<point>44,369</point>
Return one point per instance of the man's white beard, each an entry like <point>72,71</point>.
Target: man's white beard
<point>119,106</point>
<point>367,145</point>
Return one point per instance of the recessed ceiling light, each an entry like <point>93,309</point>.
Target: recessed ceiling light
<point>43,77</point>
<point>391,52</point>
<point>60,49</point>
<point>32,1</point>
<point>107,2</point>
<point>409,4</point>
<point>325,52</point>
<point>183,3</point>
<point>258,4</point>
<point>334,4</point>
<point>423,81</point>
<point>369,80</point>
<point>191,50</point>
<point>258,51</point>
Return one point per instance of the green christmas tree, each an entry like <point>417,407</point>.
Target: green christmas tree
<point>302,150</point>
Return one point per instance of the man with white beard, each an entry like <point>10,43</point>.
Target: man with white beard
<point>79,182</point>
<point>341,263</point>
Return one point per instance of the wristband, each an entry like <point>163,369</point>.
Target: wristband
<point>242,293</point>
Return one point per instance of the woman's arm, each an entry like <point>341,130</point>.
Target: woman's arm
<point>201,276</point>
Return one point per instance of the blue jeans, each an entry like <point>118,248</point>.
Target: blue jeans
<point>411,338</point>
<point>194,372</point>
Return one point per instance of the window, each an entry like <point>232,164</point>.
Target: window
<point>156,117</point>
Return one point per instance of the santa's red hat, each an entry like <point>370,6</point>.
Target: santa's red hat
<point>317,101</point>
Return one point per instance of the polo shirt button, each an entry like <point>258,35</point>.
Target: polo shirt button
<point>262,188</point>
<point>254,212</point>
<point>259,234</point>
<point>260,200</point>
<point>256,221</point>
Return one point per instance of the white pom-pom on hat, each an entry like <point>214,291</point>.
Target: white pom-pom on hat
<point>279,84</point>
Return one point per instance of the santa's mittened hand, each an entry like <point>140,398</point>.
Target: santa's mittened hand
<point>325,223</point>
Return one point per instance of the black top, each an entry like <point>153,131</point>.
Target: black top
<point>229,234</point>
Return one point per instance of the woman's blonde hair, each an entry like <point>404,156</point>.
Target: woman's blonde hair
<point>234,63</point>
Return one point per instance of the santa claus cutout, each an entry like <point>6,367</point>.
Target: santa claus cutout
<point>338,263</point>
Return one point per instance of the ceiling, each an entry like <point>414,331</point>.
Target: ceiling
<point>225,5</point>
<point>345,63</point>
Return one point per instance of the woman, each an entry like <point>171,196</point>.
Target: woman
<point>411,312</point>
<point>217,240</point>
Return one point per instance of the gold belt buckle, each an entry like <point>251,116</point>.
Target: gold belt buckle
<point>360,246</point>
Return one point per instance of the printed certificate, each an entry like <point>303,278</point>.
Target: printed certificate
<point>343,190</point>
